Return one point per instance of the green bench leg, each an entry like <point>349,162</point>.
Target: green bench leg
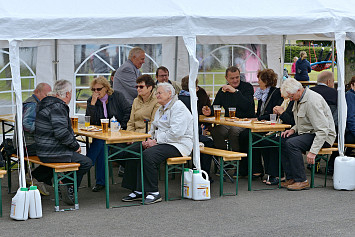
<point>166,182</point>
<point>56,194</point>
<point>0,200</point>
<point>319,158</point>
<point>179,167</point>
<point>221,181</point>
<point>221,167</point>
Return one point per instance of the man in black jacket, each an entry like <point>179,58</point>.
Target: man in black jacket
<point>237,94</point>
<point>54,135</point>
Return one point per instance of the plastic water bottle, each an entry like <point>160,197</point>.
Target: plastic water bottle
<point>35,209</point>
<point>344,173</point>
<point>187,183</point>
<point>19,205</point>
<point>114,124</point>
<point>200,185</point>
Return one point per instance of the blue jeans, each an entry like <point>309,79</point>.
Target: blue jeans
<point>97,155</point>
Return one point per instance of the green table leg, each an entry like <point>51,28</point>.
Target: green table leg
<point>182,181</point>
<point>76,206</point>
<point>250,160</point>
<point>56,195</point>
<point>237,179</point>
<point>142,177</point>
<point>166,182</point>
<point>279,145</point>
<point>107,184</point>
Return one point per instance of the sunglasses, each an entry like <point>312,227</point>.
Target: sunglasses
<point>96,89</point>
<point>140,86</point>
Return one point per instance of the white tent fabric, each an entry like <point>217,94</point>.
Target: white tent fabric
<point>111,19</point>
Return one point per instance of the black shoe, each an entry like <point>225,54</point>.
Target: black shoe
<point>157,198</point>
<point>98,188</point>
<point>67,192</point>
<point>131,197</point>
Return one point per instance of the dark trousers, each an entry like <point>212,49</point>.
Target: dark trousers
<point>85,165</point>
<point>244,147</point>
<point>152,158</point>
<point>41,173</point>
<point>292,148</point>
<point>271,157</point>
<point>205,159</point>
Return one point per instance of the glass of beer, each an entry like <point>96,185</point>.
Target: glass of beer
<point>74,122</point>
<point>87,121</point>
<point>217,112</point>
<point>104,125</point>
<point>232,112</point>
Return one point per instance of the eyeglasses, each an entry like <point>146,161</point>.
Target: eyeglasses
<point>96,89</point>
<point>140,86</point>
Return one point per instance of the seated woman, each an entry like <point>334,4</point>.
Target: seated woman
<point>268,97</point>
<point>144,107</point>
<point>271,155</point>
<point>104,103</point>
<point>202,100</point>
<point>172,136</point>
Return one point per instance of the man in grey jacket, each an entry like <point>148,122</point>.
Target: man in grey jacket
<point>314,128</point>
<point>125,77</point>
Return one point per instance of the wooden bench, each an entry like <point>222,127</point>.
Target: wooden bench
<point>170,165</point>
<point>323,154</point>
<point>227,158</point>
<point>346,145</point>
<point>2,173</point>
<point>65,170</point>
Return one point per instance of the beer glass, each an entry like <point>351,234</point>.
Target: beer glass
<point>104,125</point>
<point>232,112</point>
<point>217,112</point>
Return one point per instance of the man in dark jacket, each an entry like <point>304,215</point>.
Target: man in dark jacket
<point>54,135</point>
<point>237,94</point>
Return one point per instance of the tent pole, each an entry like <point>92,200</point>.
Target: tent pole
<point>55,62</point>
<point>176,56</point>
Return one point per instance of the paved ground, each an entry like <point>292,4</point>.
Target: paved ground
<point>321,211</point>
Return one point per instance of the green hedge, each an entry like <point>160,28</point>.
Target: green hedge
<point>294,51</point>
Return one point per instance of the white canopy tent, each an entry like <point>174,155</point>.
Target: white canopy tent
<point>194,21</point>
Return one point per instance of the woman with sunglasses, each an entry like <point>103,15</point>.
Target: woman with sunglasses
<point>104,103</point>
<point>144,107</point>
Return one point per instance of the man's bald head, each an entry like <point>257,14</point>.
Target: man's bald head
<point>327,78</point>
<point>42,90</point>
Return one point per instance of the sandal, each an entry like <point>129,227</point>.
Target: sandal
<point>272,181</point>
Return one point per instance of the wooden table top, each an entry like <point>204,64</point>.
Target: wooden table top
<point>313,83</point>
<point>115,137</point>
<point>7,117</point>
<point>253,126</point>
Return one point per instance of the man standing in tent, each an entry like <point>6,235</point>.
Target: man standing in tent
<point>162,75</point>
<point>54,135</point>
<point>126,75</point>
<point>41,173</point>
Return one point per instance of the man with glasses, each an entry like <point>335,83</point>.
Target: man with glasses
<point>314,128</point>
<point>126,75</point>
<point>162,75</point>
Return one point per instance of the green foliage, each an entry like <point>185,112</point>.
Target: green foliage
<point>294,51</point>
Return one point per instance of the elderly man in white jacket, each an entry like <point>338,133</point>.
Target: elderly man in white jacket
<point>314,128</point>
<point>172,135</point>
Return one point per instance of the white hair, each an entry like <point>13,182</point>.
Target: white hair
<point>290,86</point>
<point>167,87</point>
<point>61,87</point>
<point>136,51</point>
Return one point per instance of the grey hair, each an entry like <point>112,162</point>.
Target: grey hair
<point>135,52</point>
<point>290,86</point>
<point>167,87</point>
<point>61,87</point>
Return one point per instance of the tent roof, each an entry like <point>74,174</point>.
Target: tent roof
<point>68,19</point>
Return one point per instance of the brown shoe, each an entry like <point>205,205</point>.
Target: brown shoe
<point>287,182</point>
<point>298,186</point>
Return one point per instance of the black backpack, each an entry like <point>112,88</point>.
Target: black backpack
<point>6,150</point>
